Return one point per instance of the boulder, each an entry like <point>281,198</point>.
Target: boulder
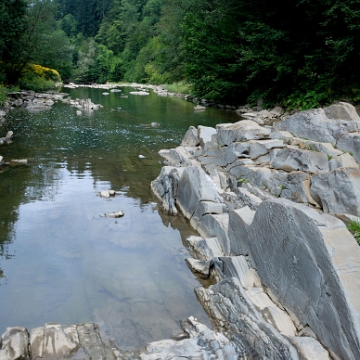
<point>165,187</point>
<point>199,343</point>
<point>262,147</point>
<point>191,137</point>
<point>277,111</point>
<point>205,134</point>
<point>14,344</point>
<point>114,214</point>
<point>338,191</point>
<point>243,130</point>
<point>342,111</point>
<point>228,154</point>
<point>178,157</point>
<point>205,249</point>
<point>293,159</point>
<point>315,125</point>
<point>350,143</point>
<point>195,186</point>
<point>214,225</point>
<point>294,186</point>
<point>300,244</point>
<point>52,341</point>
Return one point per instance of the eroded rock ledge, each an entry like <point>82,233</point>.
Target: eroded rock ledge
<point>264,202</point>
<point>52,341</point>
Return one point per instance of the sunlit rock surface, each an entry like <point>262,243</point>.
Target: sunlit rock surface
<point>286,271</point>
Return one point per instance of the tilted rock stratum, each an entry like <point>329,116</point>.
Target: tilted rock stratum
<point>266,202</point>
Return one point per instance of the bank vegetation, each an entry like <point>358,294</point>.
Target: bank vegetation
<point>298,54</point>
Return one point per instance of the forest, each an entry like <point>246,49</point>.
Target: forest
<point>298,54</point>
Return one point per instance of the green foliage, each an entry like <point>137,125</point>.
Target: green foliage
<point>239,51</point>
<point>4,90</point>
<point>181,87</point>
<point>32,81</point>
<point>234,51</point>
<point>12,25</point>
<point>354,227</point>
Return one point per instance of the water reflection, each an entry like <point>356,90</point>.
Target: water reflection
<point>72,264</point>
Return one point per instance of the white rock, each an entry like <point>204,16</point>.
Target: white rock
<point>205,134</point>
<point>141,93</point>
<point>243,130</point>
<point>115,214</point>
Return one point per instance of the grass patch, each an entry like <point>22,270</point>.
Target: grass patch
<point>354,227</point>
<point>181,87</point>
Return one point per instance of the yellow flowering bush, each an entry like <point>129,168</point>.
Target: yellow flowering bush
<point>38,78</point>
<point>44,72</point>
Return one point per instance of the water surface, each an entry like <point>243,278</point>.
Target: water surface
<point>61,259</point>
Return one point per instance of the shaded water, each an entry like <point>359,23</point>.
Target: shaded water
<point>61,260</point>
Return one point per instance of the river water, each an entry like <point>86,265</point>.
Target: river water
<point>61,259</point>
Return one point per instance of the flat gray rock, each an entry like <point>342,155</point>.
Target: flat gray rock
<point>191,137</point>
<point>292,159</point>
<point>351,143</point>
<point>241,131</point>
<point>315,125</point>
<point>338,191</point>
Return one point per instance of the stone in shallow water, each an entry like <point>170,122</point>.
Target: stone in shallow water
<point>115,214</point>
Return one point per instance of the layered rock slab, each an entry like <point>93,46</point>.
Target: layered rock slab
<point>84,342</point>
<point>338,191</point>
<point>315,125</point>
<point>312,267</point>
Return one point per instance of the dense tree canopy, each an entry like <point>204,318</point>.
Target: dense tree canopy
<point>234,50</point>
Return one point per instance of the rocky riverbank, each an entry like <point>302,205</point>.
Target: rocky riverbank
<point>267,203</point>
<point>31,101</point>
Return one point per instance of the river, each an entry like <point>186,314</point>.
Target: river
<point>61,259</point>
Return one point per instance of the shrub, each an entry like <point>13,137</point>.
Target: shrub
<point>354,227</point>
<point>38,78</point>
<point>181,87</point>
